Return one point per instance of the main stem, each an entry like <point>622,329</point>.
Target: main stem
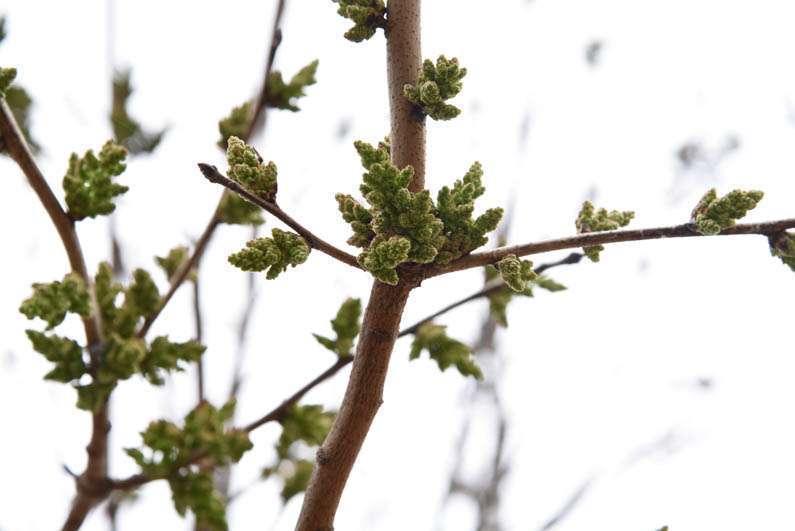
<point>364,394</point>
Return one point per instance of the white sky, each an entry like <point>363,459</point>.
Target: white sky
<point>594,375</point>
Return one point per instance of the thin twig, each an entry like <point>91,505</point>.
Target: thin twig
<point>600,238</point>
<point>91,482</point>
<point>212,174</point>
<point>258,120</point>
<point>199,323</point>
<point>490,287</point>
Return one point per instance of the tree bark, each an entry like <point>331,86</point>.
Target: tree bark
<point>364,394</point>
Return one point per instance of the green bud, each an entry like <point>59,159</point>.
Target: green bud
<point>712,214</point>
<point>346,326</point>
<point>366,15</point>
<point>51,302</point>
<point>436,84</point>
<point>592,220</point>
<point>247,169</point>
<point>516,273</point>
<point>447,352</point>
<point>274,254</point>
<point>88,182</point>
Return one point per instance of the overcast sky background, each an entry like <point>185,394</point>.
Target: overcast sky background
<point>595,376</point>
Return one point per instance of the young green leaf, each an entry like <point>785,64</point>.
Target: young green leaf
<point>89,184</point>
<point>282,95</point>
<point>51,302</point>
<point>236,124</point>
<point>171,263</point>
<point>516,274</point>
<point>7,76</point>
<point>446,351</point>
<point>346,326</point>
<point>235,210</point>
<point>166,356</point>
<point>65,353</point>
<point>127,131</point>
<point>712,214</point>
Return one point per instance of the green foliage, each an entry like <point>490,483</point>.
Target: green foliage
<point>404,226</point>
<point>65,353</point>
<point>437,83</point>
<point>274,254</point>
<point>446,351</point>
<point>516,273</point>
<point>88,182</point>
<point>171,263</point>
<point>7,76</point>
<point>165,355</point>
<point>346,326</point>
<point>235,124</point>
<point>383,257</point>
<point>783,246</point>
<point>20,103</point>
<point>366,15</point>
<point>306,424</point>
<point>124,353</point>
<point>499,298</point>
<point>713,214</point>
<point>170,451</point>
<point>281,95</point>
<point>127,131</point>
<point>455,207</point>
<point>592,220</point>
<point>235,210</point>
<point>247,169</point>
<point>51,302</point>
<point>359,219</point>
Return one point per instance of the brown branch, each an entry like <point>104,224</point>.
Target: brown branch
<point>490,287</point>
<point>212,174</point>
<point>199,323</point>
<point>258,121</point>
<point>600,238</point>
<point>90,483</point>
<point>364,393</point>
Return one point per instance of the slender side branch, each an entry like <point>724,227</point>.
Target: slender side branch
<point>600,238</point>
<point>487,290</point>
<point>212,174</point>
<point>258,121</point>
<point>91,483</point>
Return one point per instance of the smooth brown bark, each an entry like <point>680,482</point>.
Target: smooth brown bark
<point>363,397</point>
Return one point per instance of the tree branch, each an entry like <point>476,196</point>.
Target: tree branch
<point>488,289</point>
<point>212,174</point>
<point>600,238</point>
<point>91,482</point>
<point>258,121</point>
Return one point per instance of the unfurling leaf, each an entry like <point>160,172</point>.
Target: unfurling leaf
<point>235,210</point>
<point>171,263</point>
<point>366,15</point>
<point>516,273</point>
<point>783,246</point>
<point>89,184</point>
<point>346,325</point>
<point>65,353</point>
<point>282,95</point>
<point>712,214</point>
<point>437,83</point>
<point>592,220</point>
<point>235,124</point>
<point>126,130</point>
<point>446,351</point>
<point>51,302</point>
<point>272,254</point>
